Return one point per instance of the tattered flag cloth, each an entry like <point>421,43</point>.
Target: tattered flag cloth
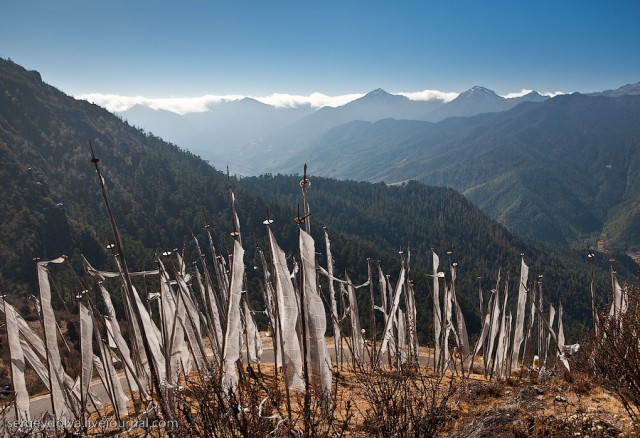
<point>332,296</point>
<point>437,314</point>
<point>231,352</point>
<point>254,343</point>
<point>520,313</point>
<point>115,336</point>
<point>86,350</point>
<point>318,357</point>
<point>17,366</point>
<point>388,327</point>
<point>59,403</point>
<point>356,333</point>
<point>288,316</point>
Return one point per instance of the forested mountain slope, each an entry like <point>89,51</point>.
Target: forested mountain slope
<point>566,170</point>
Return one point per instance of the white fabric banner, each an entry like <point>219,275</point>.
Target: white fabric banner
<point>437,314</point>
<point>231,352</point>
<point>288,317</point>
<point>59,403</point>
<point>388,327</point>
<point>86,350</point>
<point>17,366</point>
<point>318,358</point>
<point>520,313</point>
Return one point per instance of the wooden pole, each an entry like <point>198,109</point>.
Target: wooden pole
<point>155,375</point>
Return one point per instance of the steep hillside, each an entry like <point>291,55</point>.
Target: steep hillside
<point>157,190</point>
<point>564,170</point>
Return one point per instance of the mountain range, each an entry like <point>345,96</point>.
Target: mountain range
<point>564,170</point>
<point>254,131</point>
<point>51,204</point>
<point>561,169</point>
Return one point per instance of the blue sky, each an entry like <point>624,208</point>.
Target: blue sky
<point>260,47</point>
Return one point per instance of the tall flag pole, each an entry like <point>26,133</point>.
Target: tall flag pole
<point>155,372</point>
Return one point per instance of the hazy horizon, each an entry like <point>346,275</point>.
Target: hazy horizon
<point>325,53</point>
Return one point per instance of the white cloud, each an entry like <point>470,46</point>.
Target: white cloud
<point>520,93</point>
<point>526,91</point>
<point>553,93</point>
<point>184,105</point>
<point>315,100</point>
<point>179,105</point>
<point>430,95</point>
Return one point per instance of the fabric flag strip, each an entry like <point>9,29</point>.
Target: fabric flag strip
<point>86,351</point>
<point>356,331</point>
<point>437,315</point>
<point>520,313</point>
<point>332,296</point>
<point>231,351</point>
<point>288,317</point>
<point>111,381</point>
<point>115,335</point>
<point>483,334</point>
<point>463,336</point>
<point>495,324</point>
<point>190,320</point>
<point>151,332</point>
<point>17,366</point>
<point>58,400</point>
<point>501,349</point>
<point>388,327</point>
<point>254,343</point>
<point>412,315</point>
<point>447,326</point>
<point>35,352</point>
<point>402,337</point>
<point>318,357</point>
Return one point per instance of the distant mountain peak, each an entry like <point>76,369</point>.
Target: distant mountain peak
<point>532,96</point>
<point>249,101</point>
<point>378,97</point>
<point>625,89</point>
<point>378,93</point>
<point>477,90</point>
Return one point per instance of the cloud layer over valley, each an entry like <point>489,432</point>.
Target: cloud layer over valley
<point>184,105</point>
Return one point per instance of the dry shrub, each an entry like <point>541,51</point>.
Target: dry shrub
<point>202,407</point>
<point>500,422</point>
<point>614,355</point>
<point>257,407</point>
<point>578,424</point>
<point>505,422</point>
<point>34,383</point>
<point>404,403</point>
<point>477,390</point>
<point>580,382</point>
<point>324,416</point>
